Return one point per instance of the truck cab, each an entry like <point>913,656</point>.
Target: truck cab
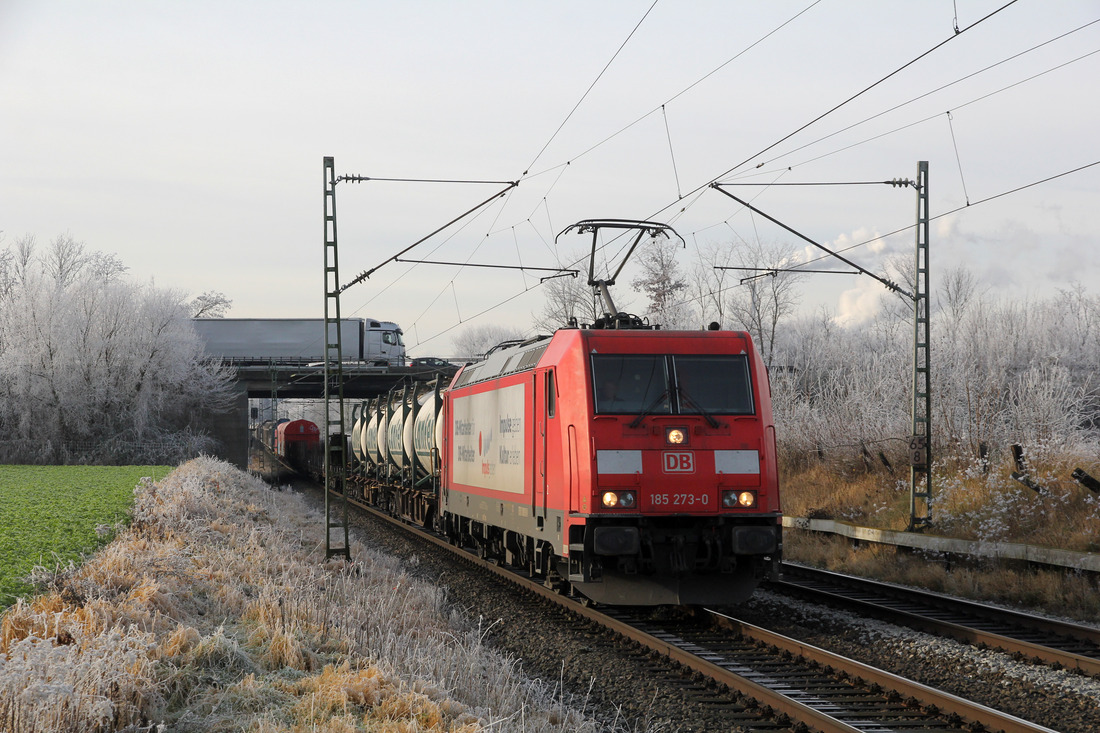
<point>383,343</point>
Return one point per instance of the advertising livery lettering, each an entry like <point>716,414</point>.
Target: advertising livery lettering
<point>488,448</point>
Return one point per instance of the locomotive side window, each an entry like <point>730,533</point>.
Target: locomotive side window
<point>714,384</point>
<point>630,384</point>
<point>550,394</point>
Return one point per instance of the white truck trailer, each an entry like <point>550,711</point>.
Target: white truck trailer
<point>259,340</point>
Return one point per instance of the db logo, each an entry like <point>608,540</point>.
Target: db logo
<point>679,462</point>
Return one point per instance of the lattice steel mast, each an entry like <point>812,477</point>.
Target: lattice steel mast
<point>920,443</point>
<point>336,518</point>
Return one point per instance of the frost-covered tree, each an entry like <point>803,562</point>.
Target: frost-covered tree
<point>567,298</point>
<point>95,367</point>
<point>709,281</point>
<point>474,341</point>
<point>768,293</point>
<point>662,282</point>
<point>211,304</point>
<point>1004,371</point>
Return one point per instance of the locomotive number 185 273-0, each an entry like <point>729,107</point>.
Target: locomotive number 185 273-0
<point>679,499</point>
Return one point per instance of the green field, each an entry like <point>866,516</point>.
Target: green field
<point>49,514</point>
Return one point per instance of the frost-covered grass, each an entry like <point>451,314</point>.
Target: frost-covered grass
<point>215,611</point>
<point>52,514</point>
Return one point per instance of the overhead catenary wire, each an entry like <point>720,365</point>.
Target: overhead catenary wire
<point>971,102</point>
<point>545,203</point>
<point>903,229</point>
<point>385,288</point>
<point>840,105</point>
<point>671,152</point>
<point>936,116</point>
<point>1000,90</point>
<point>366,179</point>
<point>958,160</point>
<point>484,264</point>
<point>943,87</point>
<point>591,86</point>
<point>856,245</point>
<point>367,273</point>
<point>888,283</point>
<point>679,94</point>
<point>860,93</point>
<point>969,205</point>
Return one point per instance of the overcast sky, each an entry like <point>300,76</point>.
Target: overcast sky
<point>188,138</point>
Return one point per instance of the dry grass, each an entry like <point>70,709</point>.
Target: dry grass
<point>969,502</point>
<point>215,611</point>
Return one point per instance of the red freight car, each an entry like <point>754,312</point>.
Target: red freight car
<point>296,440</point>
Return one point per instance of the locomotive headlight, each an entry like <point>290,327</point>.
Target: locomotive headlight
<point>621,499</point>
<point>675,436</point>
<point>738,499</point>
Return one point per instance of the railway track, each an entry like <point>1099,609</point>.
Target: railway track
<point>1060,644</point>
<point>815,687</point>
<point>776,683</point>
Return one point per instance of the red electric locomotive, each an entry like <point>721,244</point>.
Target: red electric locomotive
<point>637,465</point>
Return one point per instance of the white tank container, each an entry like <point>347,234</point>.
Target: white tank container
<point>395,432</point>
<point>370,437</point>
<point>425,433</point>
<point>356,439</point>
<point>380,442</point>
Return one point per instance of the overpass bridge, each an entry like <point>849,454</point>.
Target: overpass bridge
<point>290,379</point>
<point>284,358</point>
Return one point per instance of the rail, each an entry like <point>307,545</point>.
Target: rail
<point>1050,641</point>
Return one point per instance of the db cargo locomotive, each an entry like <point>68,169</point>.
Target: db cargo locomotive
<point>636,466</point>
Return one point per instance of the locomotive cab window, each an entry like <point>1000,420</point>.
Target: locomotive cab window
<point>628,385</point>
<point>718,384</point>
<point>681,384</point>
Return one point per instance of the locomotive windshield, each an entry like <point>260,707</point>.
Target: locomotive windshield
<point>682,384</point>
<point>631,384</point>
<point>714,384</point>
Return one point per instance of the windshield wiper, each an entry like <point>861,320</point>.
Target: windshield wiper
<point>685,397</point>
<point>642,415</point>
